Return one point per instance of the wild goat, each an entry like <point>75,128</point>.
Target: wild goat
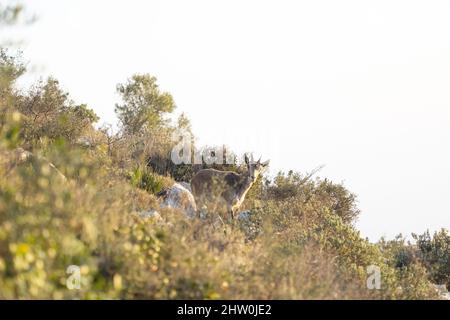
<point>225,189</point>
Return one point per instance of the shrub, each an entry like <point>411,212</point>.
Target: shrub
<point>146,179</point>
<point>435,254</point>
<point>49,114</point>
<point>334,196</point>
<point>400,253</point>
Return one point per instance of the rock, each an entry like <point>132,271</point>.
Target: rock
<point>179,197</point>
<point>150,214</point>
<point>186,185</point>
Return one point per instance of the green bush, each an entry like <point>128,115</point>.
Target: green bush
<point>435,254</point>
<point>296,186</point>
<point>146,179</point>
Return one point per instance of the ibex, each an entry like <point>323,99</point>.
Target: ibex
<point>226,188</point>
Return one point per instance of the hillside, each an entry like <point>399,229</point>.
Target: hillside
<point>76,202</point>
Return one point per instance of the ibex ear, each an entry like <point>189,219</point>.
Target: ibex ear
<point>265,164</point>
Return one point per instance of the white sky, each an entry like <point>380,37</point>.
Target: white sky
<point>362,87</point>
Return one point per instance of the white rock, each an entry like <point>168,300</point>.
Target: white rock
<point>186,185</point>
<point>179,197</point>
<point>150,214</point>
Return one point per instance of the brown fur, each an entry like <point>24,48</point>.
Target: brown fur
<point>225,189</point>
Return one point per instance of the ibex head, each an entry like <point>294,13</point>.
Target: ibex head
<point>255,168</point>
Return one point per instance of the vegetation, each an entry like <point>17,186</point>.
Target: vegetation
<point>435,253</point>
<point>298,242</point>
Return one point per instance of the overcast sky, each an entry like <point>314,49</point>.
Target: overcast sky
<point>362,87</point>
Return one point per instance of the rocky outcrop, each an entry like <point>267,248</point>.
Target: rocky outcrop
<point>179,197</point>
